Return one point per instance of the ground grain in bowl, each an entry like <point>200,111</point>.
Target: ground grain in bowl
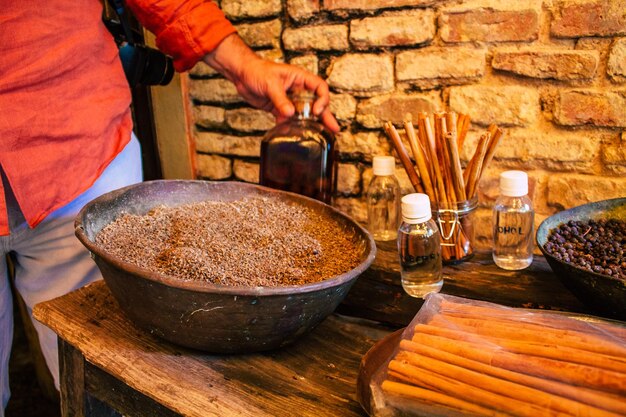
<point>255,241</point>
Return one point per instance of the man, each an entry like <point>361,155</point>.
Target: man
<point>66,129</point>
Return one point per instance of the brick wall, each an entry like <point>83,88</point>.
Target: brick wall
<point>552,73</point>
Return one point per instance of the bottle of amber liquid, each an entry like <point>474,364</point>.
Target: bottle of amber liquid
<point>299,154</point>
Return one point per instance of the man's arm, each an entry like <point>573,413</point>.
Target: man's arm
<point>191,30</point>
<point>264,84</point>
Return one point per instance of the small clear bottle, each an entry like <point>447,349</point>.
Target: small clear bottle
<point>513,220</point>
<point>299,155</point>
<point>419,247</point>
<point>383,200</point>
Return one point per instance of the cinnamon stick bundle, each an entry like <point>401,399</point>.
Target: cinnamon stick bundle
<point>435,168</point>
<point>509,361</point>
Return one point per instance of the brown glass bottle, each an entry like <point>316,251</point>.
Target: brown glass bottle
<point>299,154</point>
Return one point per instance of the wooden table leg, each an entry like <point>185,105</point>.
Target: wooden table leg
<point>76,401</point>
<point>72,369</point>
<point>97,408</point>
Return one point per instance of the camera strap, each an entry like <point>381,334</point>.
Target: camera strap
<point>127,33</point>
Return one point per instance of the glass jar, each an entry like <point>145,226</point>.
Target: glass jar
<point>456,224</point>
<point>299,154</point>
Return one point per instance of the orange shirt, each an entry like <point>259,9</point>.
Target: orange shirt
<point>64,100</point>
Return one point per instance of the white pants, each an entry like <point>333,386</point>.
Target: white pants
<point>51,261</point>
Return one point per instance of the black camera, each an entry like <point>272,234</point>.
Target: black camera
<point>142,65</point>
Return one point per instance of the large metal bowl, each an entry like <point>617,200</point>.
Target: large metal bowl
<point>604,294</point>
<point>205,316</point>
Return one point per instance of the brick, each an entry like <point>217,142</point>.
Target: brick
<point>249,120</point>
<point>218,143</point>
<point>362,145</point>
<point>216,90</point>
<point>241,9</point>
<point>393,29</point>
<point>262,34</point>
<point>348,179</point>
<point>361,74</point>
<point>599,108</point>
<point>558,65</point>
<point>208,116</point>
<point>300,10</point>
<point>359,5</point>
<point>552,150</point>
<point>354,207</point>
<point>308,62</point>
<point>566,190</point>
<point>589,18</point>
<point>432,67</point>
<point>246,171</point>
<point>614,157</point>
<point>502,105</point>
<point>616,66</point>
<point>202,70</point>
<point>316,38</point>
<point>491,21</point>
<point>213,167</point>
<point>343,106</point>
<point>374,112</point>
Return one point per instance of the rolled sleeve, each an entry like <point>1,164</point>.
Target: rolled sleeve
<point>184,29</point>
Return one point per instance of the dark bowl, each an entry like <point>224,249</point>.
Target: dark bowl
<point>205,316</point>
<point>604,294</point>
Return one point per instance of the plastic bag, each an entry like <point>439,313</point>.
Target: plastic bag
<point>461,357</point>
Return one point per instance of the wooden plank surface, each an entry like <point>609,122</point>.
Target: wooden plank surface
<point>378,294</point>
<point>315,376</point>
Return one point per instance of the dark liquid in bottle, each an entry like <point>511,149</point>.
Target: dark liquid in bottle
<point>301,159</point>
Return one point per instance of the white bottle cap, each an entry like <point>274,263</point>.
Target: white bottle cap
<point>513,183</point>
<point>416,208</point>
<point>384,165</point>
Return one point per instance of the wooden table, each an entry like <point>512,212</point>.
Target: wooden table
<point>107,363</point>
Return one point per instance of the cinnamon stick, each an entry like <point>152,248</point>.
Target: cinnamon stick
<point>404,156</point>
<point>433,397</point>
<point>496,133</point>
<point>420,159</point>
<point>476,165</point>
<point>440,131</point>
<point>455,164</point>
<point>531,332</point>
<point>463,126</point>
<point>439,186</point>
<point>547,319</point>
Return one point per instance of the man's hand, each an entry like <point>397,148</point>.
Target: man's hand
<point>265,84</point>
